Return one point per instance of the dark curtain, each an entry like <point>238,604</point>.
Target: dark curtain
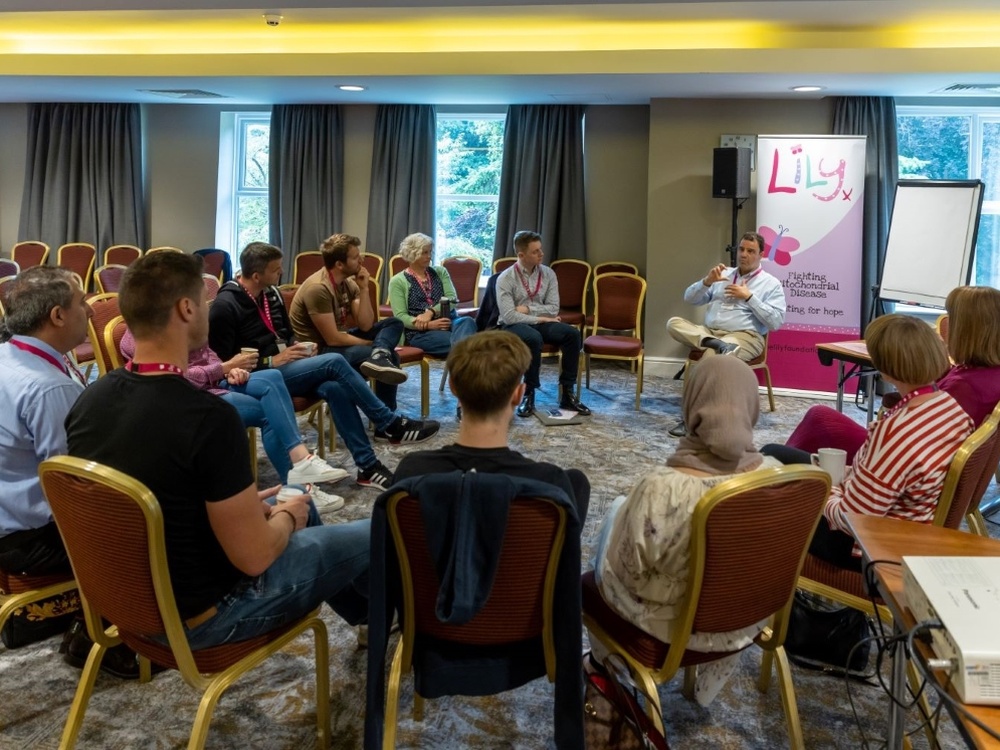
<point>541,185</point>
<point>401,200</point>
<point>305,177</point>
<point>875,117</point>
<point>83,176</point>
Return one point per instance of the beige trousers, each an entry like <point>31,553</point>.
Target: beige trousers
<point>691,335</point>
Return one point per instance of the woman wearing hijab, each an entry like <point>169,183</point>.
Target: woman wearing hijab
<point>641,565</point>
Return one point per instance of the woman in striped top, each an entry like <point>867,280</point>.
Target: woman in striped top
<point>900,469</point>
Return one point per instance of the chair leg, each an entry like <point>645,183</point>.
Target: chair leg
<point>638,382</point>
<point>766,668</point>
<point>788,699</point>
<point>586,358</point>
<point>425,389</point>
<point>976,522</point>
<point>82,697</point>
<point>690,677</point>
<point>321,429</point>
<point>444,379</point>
<point>322,684</point>
<point>392,699</point>
<point>770,391</point>
<point>418,706</point>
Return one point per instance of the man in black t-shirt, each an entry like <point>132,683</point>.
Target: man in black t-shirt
<point>485,373</point>
<point>238,569</point>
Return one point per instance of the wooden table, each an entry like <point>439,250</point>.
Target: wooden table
<point>889,539</point>
<point>854,353</point>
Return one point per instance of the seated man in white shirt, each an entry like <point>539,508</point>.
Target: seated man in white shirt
<point>744,304</point>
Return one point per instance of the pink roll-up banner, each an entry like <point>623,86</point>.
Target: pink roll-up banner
<point>810,206</point>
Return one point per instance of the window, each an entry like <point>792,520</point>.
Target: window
<point>242,215</point>
<point>470,155</point>
<point>949,143</point>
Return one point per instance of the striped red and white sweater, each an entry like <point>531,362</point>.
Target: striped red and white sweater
<point>900,470</point>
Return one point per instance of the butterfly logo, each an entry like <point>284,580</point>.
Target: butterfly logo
<point>779,246</point>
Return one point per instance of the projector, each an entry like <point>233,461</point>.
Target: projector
<point>964,594</point>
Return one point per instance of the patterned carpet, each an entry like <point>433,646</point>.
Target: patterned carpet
<point>274,706</point>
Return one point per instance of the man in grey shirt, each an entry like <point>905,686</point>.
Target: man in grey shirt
<point>528,302</point>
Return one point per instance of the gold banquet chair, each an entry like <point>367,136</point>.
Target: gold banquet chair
<point>757,363</point>
<point>112,527</point>
<point>28,593</point>
<point>617,328</point>
<point>749,536</point>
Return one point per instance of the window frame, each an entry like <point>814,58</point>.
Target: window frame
<point>232,173</point>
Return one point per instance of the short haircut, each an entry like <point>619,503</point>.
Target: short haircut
<point>413,245</point>
<point>336,247</point>
<point>485,369</point>
<point>31,297</point>
<point>524,238</point>
<point>256,256</point>
<point>974,325</point>
<point>152,286</point>
<point>756,238</point>
<point>906,349</point>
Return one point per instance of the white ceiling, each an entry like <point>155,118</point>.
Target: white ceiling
<point>493,51</point>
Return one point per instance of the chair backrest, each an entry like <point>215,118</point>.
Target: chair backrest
<point>749,537</point>
<point>30,253</point>
<point>374,264</point>
<point>502,264</point>
<point>212,286</point>
<point>164,249</point>
<point>109,277</point>
<point>78,257</point>
<point>520,602</point>
<point>114,332</point>
<point>4,282</point>
<point>9,267</point>
<point>616,266</point>
<point>112,527</point>
<point>573,277</point>
<point>217,263</point>
<point>288,294</point>
<point>618,301</point>
<point>105,307</point>
<point>969,473</point>
<point>122,255</point>
<point>397,265</point>
<point>942,327</point>
<point>465,273</point>
<point>306,264</point>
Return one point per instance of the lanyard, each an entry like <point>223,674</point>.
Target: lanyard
<point>264,310</point>
<point>524,282</point>
<point>64,366</point>
<point>428,288</point>
<point>921,391</point>
<point>736,275</point>
<point>144,368</point>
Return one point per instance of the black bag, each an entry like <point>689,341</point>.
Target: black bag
<point>822,635</point>
<point>613,715</point>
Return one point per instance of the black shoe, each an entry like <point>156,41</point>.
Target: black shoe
<point>120,661</point>
<point>404,430</point>
<point>527,405</point>
<point>720,346</point>
<point>571,402</point>
<point>381,367</point>
<point>679,430</point>
<point>376,476</point>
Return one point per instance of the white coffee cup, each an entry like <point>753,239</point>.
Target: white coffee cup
<point>833,461</point>
<point>309,346</point>
<point>287,492</point>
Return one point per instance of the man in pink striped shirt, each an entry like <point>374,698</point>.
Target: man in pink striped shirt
<point>899,472</point>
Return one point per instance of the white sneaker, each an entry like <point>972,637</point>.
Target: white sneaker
<point>314,469</point>
<point>325,500</point>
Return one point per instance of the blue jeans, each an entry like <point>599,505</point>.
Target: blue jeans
<point>385,334</point>
<point>263,401</point>
<point>566,337</point>
<point>331,378</point>
<point>320,564</point>
<point>439,343</point>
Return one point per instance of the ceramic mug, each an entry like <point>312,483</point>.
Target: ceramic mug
<point>833,461</point>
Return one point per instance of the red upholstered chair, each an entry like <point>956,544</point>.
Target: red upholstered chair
<point>573,277</point>
<point>105,307</point>
<point>211,286</point>
<point>31,595</point>
<point>617,327</point>
<point>78,257</point>
<point>122,255</point>
<point>465,273</point>
<point>396,265</point>
<point>757,363</point>
<point>30,253</point>
<point>502,264</point>
<point>114,332</point>
<point>306,264</point>
<point>8,267</point>
<point>616,266</point>
<point>374,264</point>
<point>112,527</point>
<point>109,278</point>
<point>164,249</point>
<point>749,536</point>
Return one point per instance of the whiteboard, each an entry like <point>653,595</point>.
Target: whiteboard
<point>932,237</point>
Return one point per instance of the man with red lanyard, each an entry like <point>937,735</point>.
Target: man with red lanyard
<point>528,302</point>
<point>46,318</point>
<point>744,304</point>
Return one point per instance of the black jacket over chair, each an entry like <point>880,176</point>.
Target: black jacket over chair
<point>465,520</point>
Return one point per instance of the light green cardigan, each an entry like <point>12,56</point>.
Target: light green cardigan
<point>399,293</point>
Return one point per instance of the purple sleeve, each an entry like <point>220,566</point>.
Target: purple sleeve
<point>204,369</point>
